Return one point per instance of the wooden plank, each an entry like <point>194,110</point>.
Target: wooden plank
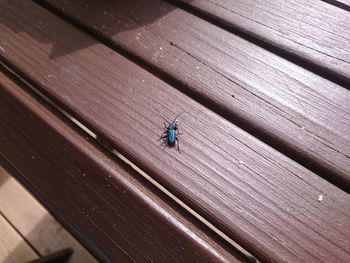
<point>117,216</point>
<point>257,196</point>
<point>344,4</point>
<point>297,112</point>
<point>13,248</point>
<point>312,31</point>
<point>33,222</point>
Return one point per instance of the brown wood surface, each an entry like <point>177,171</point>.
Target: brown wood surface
<point>313,31</point>
<point>344,4</point>
<point>257,196</point>
<point>115,215</point>
<point>295,111</point>
<point>316,32</point>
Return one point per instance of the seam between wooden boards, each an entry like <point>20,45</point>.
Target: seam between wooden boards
<point>323,71</point>
<point>317,165</point>
<point>338,4</point>
<point>139,171</point>
<point>190,227</point>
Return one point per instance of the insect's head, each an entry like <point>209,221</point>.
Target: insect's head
<point>172,126</point>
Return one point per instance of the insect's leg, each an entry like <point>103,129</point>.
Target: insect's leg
<point>178,144</point>
<point>165,143</point>
<point>178,131</point>
<point>162,136</point>
<point>165,120</point>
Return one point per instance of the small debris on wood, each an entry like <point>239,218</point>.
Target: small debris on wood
<point>320,198</point>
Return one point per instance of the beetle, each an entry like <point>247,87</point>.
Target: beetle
<point>171,133</point>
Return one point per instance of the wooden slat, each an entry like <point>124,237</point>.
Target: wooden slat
<point>344,4</point>
<point>116,216</point>
<point>13,248</point>
<point>33,222</point>
<point>257,196</point>
<point>313,30</point>
<point>296,111</point>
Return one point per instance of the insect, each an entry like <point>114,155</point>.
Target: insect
<point>171,134</point>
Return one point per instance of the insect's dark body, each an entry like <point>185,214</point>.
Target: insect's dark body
<point>171,134</point>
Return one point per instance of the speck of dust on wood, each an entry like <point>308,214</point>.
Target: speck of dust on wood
<point>320,198</point>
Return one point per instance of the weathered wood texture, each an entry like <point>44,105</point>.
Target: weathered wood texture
<point>13,248</point>
<point>112,213</point>
<point>313,30</point>
<point>298,112</point>
<point>344,4</point>
<point>34,223</point>
<point>253,193</point>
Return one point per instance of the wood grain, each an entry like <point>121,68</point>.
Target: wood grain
<point>295,111</point>
<point>314,31</point>
<point>13,248</point>
<point>118,217</point>
<point>33,222</point>
<point>344,4</point>
<point>256,195</point>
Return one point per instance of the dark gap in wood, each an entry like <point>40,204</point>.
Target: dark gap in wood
<point>99,143</point>
<point>102,144</point>
<point>20,83</point>
<point>338,4</point>
<point>261,134</point>
<point>324,72</point>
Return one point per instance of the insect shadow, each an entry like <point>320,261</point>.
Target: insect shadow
<point>171,134</point>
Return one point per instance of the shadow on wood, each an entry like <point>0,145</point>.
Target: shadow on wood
<point>72,44</point>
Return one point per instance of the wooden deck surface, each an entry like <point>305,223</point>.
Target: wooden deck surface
<point>264,168</point>
<point>294,110</point>
<point>315,33</point>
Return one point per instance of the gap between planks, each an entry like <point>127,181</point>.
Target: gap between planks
<point>321,59</point>
<point>343,4</point>
<point>139,171</point>
<point>142,209</point>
